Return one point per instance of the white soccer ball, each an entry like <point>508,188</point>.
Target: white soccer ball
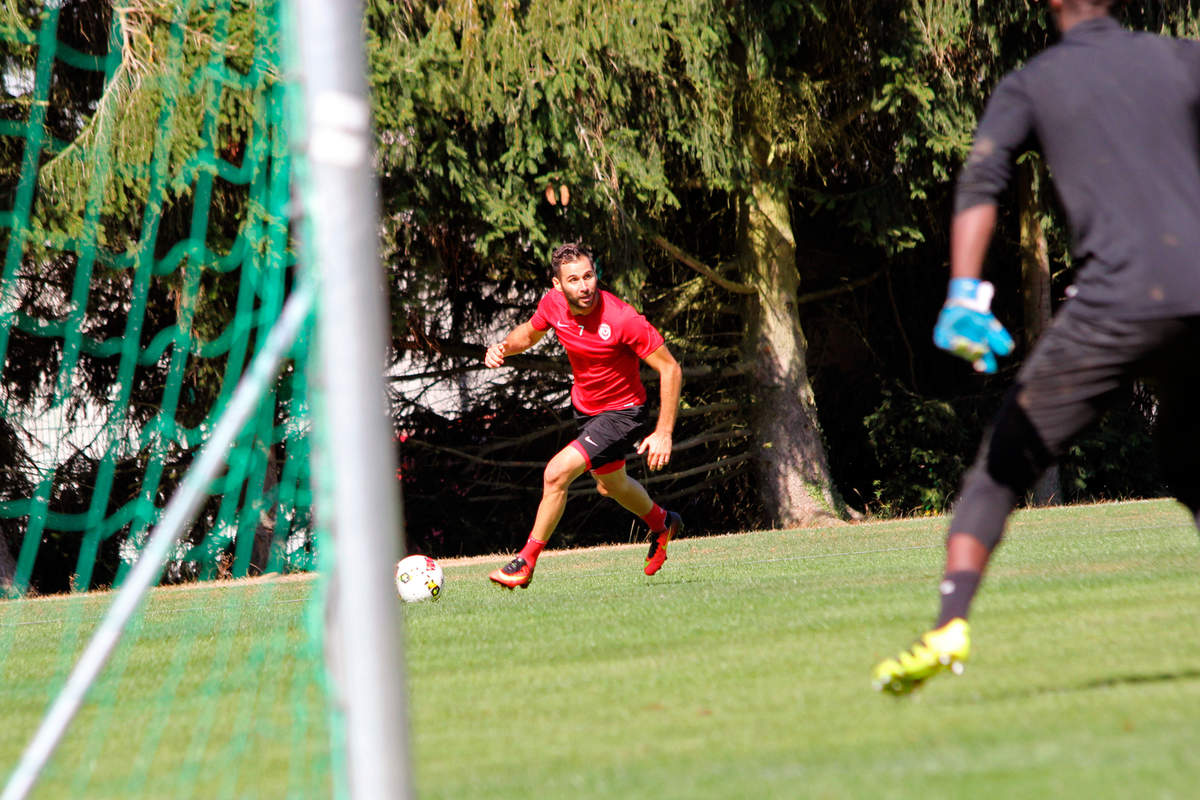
<point>418,578</point>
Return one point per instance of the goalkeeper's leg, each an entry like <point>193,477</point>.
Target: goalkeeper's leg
<point>1177,434</point>
<point>948,645</point>
<point>1014,456</point>
<point>1070,377</point>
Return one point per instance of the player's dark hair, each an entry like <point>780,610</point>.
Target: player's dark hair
<point>566,253</point>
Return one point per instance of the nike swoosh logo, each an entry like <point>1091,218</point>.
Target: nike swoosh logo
<point>588,439</point>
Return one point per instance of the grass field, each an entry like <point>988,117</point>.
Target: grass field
<point>216,694</point>
<point>741,670</point>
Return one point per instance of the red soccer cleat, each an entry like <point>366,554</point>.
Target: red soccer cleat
<point>658,545</point>
<point>513,574</point>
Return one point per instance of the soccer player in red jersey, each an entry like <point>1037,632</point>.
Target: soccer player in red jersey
<point>605,339</point>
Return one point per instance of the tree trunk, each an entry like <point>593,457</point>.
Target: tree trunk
<point>264,531</point>
<point>1035,286</point>
<point>796,485</point>
<point>8,565</point>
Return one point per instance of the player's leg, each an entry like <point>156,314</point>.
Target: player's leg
<point>1072,375</point>
<point>615,482</point>
<point>1178,441</point>
<point>1016,452</point>
<point>989,492</point>
<point>566,465</point>
<point>607,438</point>
<point>561,471</point>
<point>1177,434</point>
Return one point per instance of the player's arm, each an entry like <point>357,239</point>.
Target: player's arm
<point>519,339</point>
<point>970,233</point>
<point>966,325</point>
<point>657,446</point>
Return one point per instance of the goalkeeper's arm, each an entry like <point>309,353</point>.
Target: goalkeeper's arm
<point>519,339</point>
<point>970,234</point>
<point>966,325</point>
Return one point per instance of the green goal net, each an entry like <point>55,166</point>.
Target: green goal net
<point>145,203</point>
<point>145,256</point>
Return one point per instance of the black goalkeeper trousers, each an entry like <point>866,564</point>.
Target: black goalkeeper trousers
<point>1077,369</point>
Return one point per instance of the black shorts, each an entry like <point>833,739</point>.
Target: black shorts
<point>1083,361</point>
<point>1077,368</point>
<point>606,438</point>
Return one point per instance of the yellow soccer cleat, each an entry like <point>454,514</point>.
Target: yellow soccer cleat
<point>947,647</point>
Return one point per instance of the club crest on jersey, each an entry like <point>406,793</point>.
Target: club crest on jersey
<point>604,331</point>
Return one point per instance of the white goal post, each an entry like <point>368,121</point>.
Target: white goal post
<point>342,212</point>
<point>342,271</point>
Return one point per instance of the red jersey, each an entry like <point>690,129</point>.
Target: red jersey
<point>605,348</point>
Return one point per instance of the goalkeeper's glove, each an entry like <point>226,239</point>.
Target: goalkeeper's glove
<point>967,327</point>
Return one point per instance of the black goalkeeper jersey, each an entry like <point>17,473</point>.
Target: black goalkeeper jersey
<point>1117,116</point>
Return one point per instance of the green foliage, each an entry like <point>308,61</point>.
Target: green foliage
<point>655,116</point>
<point>940,72</point>
<point>923,446</point>
<point>138,282</point>
<point>1169,17</point>
<point>155,111</point>
<point>486,104</point>
<point>1115,460</point>
<point>918,99</point>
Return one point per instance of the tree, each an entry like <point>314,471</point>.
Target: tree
<point>782,121</point>
<point>891,192</point>
<point>137,130</point>
<point>654,116</point>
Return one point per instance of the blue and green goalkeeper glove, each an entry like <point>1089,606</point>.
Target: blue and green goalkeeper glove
<point>967,327</point>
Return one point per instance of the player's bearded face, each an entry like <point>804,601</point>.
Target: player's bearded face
<point>577,281</point>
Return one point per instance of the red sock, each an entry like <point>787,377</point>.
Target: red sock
<point>531,551</point>
<point>656,518</point>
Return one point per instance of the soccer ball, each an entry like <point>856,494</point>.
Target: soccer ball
<point>418,578</point>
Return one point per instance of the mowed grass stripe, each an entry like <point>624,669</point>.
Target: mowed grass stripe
<point>168,717</point>
<point>741,670</point>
